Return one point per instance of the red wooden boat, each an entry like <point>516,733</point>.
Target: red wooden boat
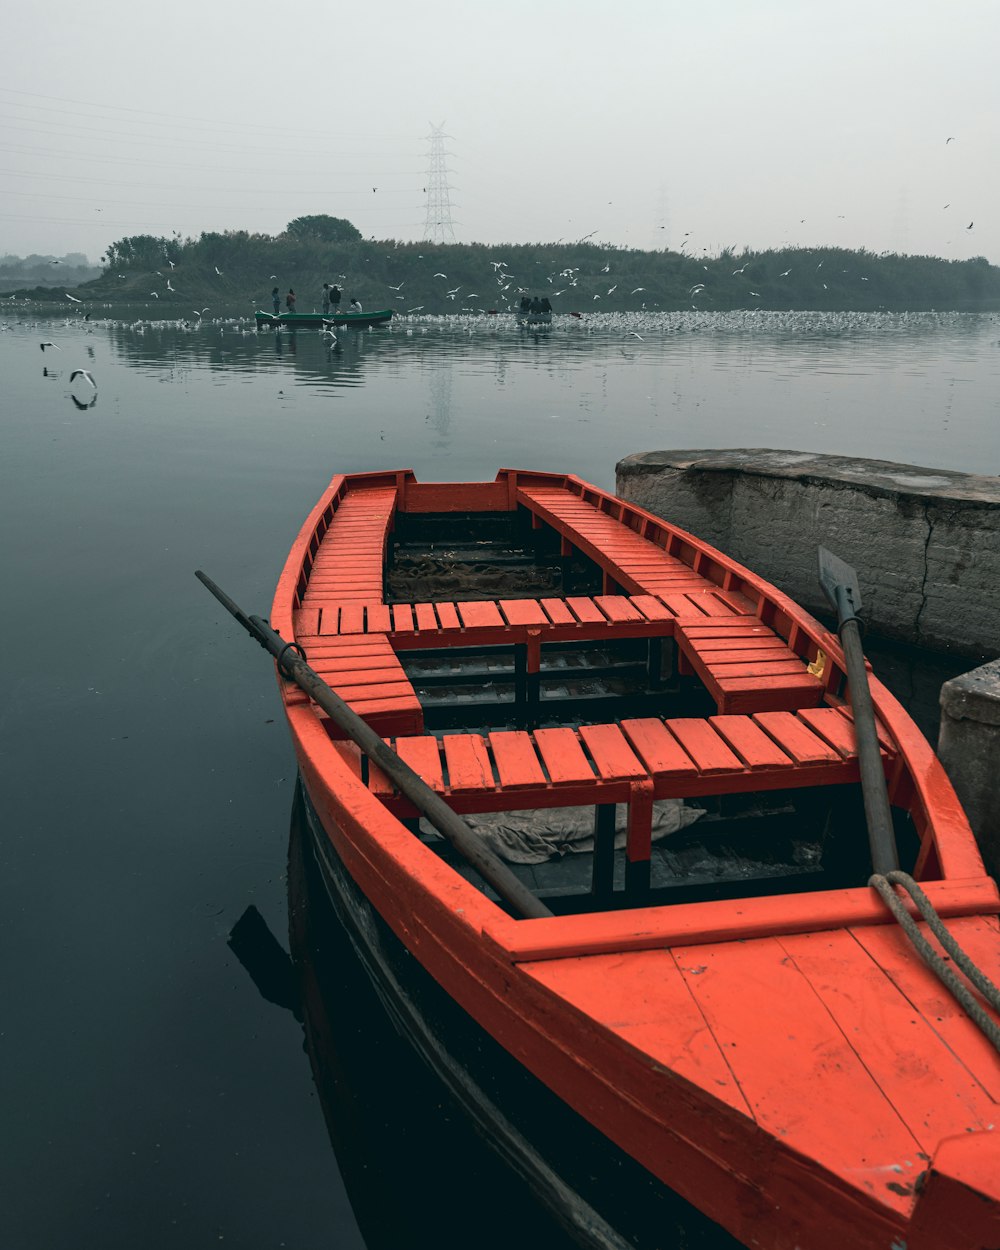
<point>731,1008</point>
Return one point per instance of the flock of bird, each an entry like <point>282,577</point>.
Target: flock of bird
<point>620,326</point>
<point>507,290</point>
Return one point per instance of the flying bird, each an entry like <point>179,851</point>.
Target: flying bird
<point>606,269</point>
<point>736,271</point>
<point>73,298</point>
<point>440,275</point>
<point>970,225</point>
<point>632,292</point>
<point>48,344</point>
<point>83,373</point>
<point>218,271</point>
<point>785,274</point>
<point>169,287</point>
<point>55,262</point>
<point>171,264</point>
<point>396,288</point>
<point>948,140</point>
<point>155,294</point>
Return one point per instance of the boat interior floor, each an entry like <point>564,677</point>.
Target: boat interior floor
<point>738,846</point>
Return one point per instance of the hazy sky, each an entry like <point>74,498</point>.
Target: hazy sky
<point>737,122</point>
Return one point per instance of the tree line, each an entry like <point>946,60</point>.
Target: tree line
<point>43,270</point>
<point>235,269</point>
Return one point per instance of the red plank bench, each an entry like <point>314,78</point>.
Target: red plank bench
<point>365,671</point>
<point>634,562</point>
<point>348,563</point>
<point>768,673</point>
<point>633,763</point>
<point>743,663</point>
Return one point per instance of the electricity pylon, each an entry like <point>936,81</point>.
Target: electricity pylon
<point>438,225</point>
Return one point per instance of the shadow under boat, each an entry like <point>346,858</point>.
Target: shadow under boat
<point>440,1134</point>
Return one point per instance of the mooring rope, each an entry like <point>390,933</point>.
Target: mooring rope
<point>937,965</point>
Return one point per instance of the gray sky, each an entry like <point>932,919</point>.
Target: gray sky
<point>743,122</point>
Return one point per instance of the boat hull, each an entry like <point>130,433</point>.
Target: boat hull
<point>589,1186</point>
<point>725,1049</point>
<point>269,320</point>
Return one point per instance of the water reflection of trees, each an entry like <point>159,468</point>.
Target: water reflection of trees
<point>234,349</point>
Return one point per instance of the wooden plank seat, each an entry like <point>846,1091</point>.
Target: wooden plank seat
<point>769,674</point>
<point>365,671</point>
<point>638,565</point>
<point>744,664</point>
<point>503,621</point>
<point>634,763</point>
<point>347,566</point>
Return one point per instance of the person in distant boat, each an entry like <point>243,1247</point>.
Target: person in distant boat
<point>546,306</point>
<point>335,294</point>
<point>525,304</point>
<point>276,300</point>
<point>536,305</point>
<point>290,300</point>
<point>356,306</point>
<point>326,299</point>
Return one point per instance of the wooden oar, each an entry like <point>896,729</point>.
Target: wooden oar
<point>840,585</point>
<point>447,822</point>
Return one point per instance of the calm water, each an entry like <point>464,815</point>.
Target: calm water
<point>151,1096</point>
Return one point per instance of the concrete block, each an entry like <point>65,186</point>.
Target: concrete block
<point>925,543</point>
<point>969,747</point>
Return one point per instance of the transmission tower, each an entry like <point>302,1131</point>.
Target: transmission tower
<point>438,225</point>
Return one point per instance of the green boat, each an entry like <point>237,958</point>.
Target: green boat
<point>378,318</point>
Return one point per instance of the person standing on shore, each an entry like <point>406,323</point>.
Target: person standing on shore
<point>276,300</point>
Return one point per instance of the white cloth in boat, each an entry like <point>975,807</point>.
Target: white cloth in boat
<point>539,834</point>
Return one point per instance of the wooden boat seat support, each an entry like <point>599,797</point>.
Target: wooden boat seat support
<point>633,763</point>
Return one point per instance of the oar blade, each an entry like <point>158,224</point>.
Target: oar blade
<point>840,584</point>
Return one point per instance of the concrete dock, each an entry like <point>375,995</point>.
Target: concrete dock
<point>925,543</point>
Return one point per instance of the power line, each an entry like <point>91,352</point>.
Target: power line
<point>174,119</point>
<point>73,130</point>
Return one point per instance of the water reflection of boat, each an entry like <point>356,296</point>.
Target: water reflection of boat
<point>730,1013</point>
<point>378,318</point>
<point>393,1126</point>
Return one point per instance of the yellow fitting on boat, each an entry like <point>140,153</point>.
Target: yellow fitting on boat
<point>818,666</point>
